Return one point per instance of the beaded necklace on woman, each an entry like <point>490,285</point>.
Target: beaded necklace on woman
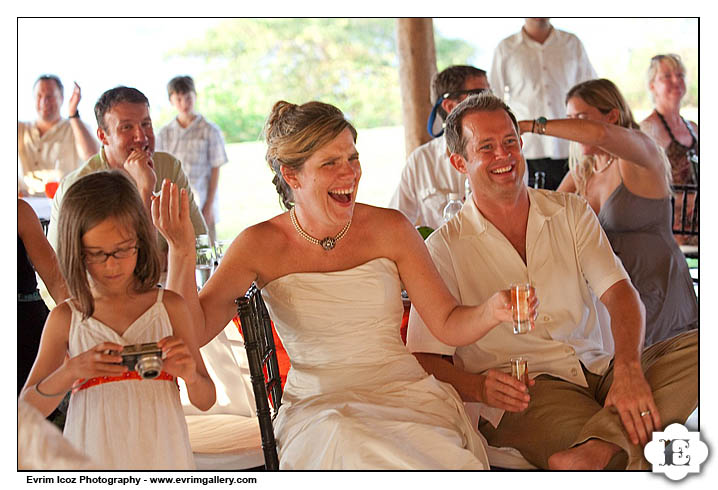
<point>597,170</point>
<point>327,243</point>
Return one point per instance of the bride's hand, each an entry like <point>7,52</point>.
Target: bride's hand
<point>171,216</point>
<point>499,306</point>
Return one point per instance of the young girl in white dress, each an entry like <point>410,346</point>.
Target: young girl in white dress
<point>109,257</point>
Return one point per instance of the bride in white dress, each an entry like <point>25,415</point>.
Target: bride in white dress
<point>354,398</point>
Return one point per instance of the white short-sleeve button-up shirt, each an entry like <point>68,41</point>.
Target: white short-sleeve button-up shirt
<point>568,260</point>
<point>426,182</point>
<point>536,78</point>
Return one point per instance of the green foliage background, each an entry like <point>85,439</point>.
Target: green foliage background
<point>351,63</point>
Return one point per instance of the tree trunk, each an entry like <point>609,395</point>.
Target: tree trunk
<point>417,66</point>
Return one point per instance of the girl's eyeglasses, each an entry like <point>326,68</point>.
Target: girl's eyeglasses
<point>101,257</point>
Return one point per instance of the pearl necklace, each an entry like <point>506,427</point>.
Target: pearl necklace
<point>608,164</point>
<point>327,243</point>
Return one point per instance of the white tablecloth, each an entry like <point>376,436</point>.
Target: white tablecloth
<point>41,205</point>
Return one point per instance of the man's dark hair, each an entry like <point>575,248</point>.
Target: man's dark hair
<point>450,80</point>
<point>485,102</point>
<point>54,78</point>
<point>115,96</point>
<point>180,85</point>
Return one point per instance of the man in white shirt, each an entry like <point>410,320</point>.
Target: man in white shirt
<point>428,177</point>
<point>51,144</point>
<point>596,396</point>
<point>534,69</point>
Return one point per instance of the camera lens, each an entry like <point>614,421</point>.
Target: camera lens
<point>149,366</point>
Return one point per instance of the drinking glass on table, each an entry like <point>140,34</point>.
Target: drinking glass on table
<point>52,180</point>
<point>205,260</point>
<point>522,317</point>
<point>220,247</point>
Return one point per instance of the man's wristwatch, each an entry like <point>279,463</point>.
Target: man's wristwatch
<point>76,114</point>
<point>539,125</point>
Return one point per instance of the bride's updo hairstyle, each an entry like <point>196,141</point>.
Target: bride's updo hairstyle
<point>293,133</point>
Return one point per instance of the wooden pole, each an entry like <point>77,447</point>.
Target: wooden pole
<point>417,66</point>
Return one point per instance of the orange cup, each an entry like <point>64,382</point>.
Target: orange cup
<point>51,189</point>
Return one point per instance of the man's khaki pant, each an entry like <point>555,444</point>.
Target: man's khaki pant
<point>561,414</point>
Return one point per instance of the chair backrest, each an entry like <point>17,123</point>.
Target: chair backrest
<point>685,223</point>
<point>45,223</point>
<point>263,368</point>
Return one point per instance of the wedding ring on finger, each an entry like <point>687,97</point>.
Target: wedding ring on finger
<point>645,412</point>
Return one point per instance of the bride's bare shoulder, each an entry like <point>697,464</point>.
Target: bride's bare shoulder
<point>264,234</point>
<point>374,212</point>
<point>388,223</point>
<point>380,217</point>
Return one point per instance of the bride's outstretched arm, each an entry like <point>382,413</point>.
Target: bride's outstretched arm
<point>230,281</point>
<point>450,322</point>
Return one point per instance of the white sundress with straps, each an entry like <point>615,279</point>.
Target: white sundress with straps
<point>132,423</point>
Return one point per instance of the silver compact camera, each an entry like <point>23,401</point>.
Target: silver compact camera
<point>146,359</point>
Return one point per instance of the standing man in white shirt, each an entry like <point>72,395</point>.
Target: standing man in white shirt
<point>198,144</point>
<point>596,394</point>
<point>51,142</point>
<point>428,177</point>
<point>532,70</point>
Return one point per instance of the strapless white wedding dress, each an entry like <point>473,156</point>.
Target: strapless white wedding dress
<point>355,398</point>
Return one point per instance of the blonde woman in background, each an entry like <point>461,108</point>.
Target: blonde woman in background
<point>667,86</point>
<point>679,137</point>
<point>624,176</point>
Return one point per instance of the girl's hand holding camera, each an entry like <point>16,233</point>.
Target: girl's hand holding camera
<point>102,360</point>
<point>177,359</point>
